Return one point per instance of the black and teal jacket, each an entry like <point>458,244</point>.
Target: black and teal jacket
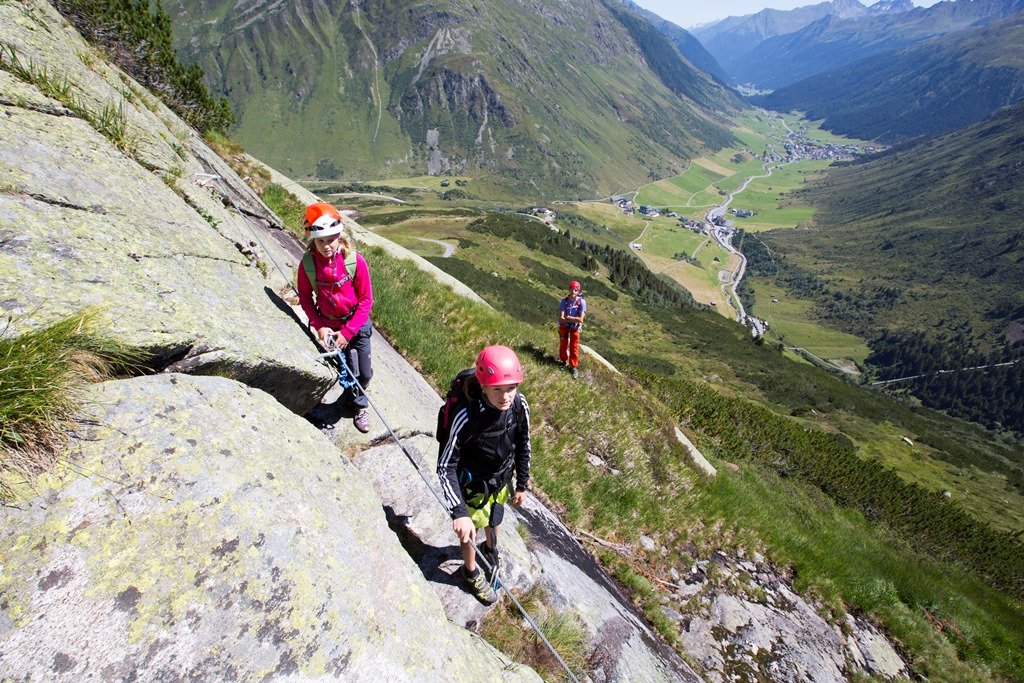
<point>486,449</point>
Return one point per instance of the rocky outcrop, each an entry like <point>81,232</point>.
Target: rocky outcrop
<point>625,647</point>
<point>767,630</point>
<point>425,528</point>
<point>205,532</point>
<point>105,203</point>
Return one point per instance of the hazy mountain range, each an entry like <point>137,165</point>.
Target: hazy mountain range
<point>729,39</point>
<point>930,87</point>
<point>772,49</point>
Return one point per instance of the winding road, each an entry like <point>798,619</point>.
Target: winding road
<point>723,235</point>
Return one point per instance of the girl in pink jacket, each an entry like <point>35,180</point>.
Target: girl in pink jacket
<point>336,295</point>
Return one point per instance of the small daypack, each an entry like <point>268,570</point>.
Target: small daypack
<point>309,265</point>
<point>456,395</point>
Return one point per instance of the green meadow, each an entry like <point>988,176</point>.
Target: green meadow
<point>791,322</point>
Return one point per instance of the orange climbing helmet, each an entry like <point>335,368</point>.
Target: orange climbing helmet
<point>322,220</point>
<point>497,365</point>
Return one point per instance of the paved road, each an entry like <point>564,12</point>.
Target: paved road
<point>370,194</point>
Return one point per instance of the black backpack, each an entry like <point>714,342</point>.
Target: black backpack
<point>455,396</point>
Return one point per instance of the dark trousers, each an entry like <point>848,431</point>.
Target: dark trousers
<point>357,353</point>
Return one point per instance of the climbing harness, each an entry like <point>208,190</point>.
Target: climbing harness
<point>345,370</point>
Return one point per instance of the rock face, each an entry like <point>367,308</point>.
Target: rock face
<point>134,223</point>
<point>205,532</point>
<point>425,529</point>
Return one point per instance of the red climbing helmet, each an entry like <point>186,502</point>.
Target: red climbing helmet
<point>575,284</point>
<point>497,365</point>
<point>322,220</point>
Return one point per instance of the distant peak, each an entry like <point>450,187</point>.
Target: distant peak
<point>890,7</point>
<point>847,8</point>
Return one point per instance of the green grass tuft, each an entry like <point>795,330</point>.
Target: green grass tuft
<point>43,376</point>
<point>287,207</point>
<point>505,629</point>
<point>110,121</point>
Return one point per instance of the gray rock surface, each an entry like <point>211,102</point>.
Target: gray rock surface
<point>88,224</point>
<point>205,532</point>
<point>425,529</point>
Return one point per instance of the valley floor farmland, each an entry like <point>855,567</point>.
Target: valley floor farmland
<point>770,147</point>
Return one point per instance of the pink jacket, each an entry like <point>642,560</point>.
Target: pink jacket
<point>335,301</point>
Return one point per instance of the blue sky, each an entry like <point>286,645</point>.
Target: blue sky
<point>689,13</point>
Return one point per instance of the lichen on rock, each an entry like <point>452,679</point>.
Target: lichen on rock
<point>206,532</point>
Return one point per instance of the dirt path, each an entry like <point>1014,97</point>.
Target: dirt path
<point>449,249</point>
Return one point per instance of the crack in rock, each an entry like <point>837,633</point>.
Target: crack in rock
<point>95,208</point>
<point>179,255</point>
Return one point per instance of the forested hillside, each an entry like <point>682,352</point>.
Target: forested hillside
<point>575,97</point>
<point>920,250</point>
<point>933,87</point>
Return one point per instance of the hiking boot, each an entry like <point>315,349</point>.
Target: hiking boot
<point>493,566</point>
<point>574,373</point>
<point>362,420</point>
<point>479,587</point>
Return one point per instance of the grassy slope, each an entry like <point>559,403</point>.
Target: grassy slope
<point>722,352</point>
<point>835,552</point>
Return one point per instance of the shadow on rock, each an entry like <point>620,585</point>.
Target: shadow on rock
<point>431,560</point>
<point>327,415</point>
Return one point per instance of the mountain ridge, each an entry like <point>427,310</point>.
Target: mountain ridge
<point>685,42</point>
<point>831,42</point>
<point>722,37</point>
<point>559,98</point>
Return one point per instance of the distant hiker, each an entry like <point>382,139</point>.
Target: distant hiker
<point>571,312</point>
<point>339,304</point>
<point>488,442</point>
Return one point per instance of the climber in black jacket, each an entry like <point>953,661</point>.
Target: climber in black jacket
<point>489,442</point>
